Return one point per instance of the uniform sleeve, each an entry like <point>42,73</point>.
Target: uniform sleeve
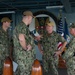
<point>22,29</point>
<point>61,38</point>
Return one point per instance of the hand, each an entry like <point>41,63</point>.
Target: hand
<point>41,51</point>
<point>29,47</point>
<point>38,37</point>
<point>58,53</point>
<point>64,61</point>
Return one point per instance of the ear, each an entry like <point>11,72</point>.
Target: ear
<point>74,29</point>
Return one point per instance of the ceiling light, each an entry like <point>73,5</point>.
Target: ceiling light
<point>48,7</point>
<point>7,12</point>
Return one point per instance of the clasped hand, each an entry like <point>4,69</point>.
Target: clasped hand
<point>29,47</point>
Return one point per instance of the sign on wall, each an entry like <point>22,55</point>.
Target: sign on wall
<point>40,23</point>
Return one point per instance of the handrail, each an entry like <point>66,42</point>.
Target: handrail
<point>36,68</point>
<point>8,67</point>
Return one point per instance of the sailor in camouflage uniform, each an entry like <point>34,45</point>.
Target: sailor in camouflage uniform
<point>49,43</point>
<point>69,55</point>
<point>24,53</point>
<point>4,42</point>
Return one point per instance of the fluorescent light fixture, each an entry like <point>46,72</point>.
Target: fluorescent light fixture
<point>48,7</point>
<point>7,12</point>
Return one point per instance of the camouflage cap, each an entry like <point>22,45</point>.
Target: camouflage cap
<point>72,25</point>
<point>4,19</point>
<point>28,13</point>
<point>50,23</point>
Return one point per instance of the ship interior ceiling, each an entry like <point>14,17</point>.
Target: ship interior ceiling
<point>18,5</point>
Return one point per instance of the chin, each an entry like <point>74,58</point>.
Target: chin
<point>49,32</point>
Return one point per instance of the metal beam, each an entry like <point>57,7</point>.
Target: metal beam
<point>67,5</point>
<point>9,5</point>
<point>6,0</point>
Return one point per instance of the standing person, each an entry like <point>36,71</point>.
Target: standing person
<point>4,41</point>
<point>49,47</point>
<point>69,54</point>
<point>24,52</point>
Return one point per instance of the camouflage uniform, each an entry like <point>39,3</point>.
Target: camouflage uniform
<point>23,58</point>
<point>49,43</point>
<point>4,44</point>
<point>69,56</point>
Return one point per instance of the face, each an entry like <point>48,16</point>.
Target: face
<point>8,24</point>
<point>72,31</point>
<point>27,20</point>
<point>49,29</point>
<point>30,19</point>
